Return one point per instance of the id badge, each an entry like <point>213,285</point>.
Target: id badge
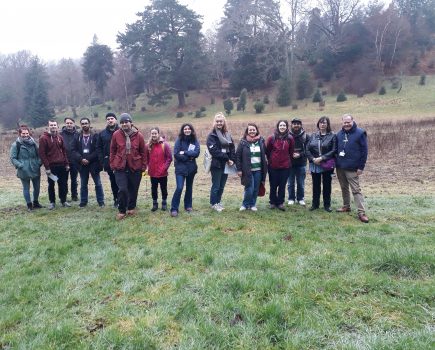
<point>342,154</point>
<point>86,150</point>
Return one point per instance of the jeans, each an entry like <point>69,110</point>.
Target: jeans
<point>350,178</point>
<point>128,183</point>
<point>179,179</point>
<point>62,184</point>
<point>322,179</point>
<point>163,181</point>
<point>113,185</point>
<point>251,192</point>
<point>73,172</point>
<point>36,181</point>
<point>277,180</point>
<point>84,179</point>
<point>297,173</point>
<point>218,181</point>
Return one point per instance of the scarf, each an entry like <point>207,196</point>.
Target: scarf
<point>252,139</point>
<point>128,141</point>
<point>224,139</point>
<point>28,141</point>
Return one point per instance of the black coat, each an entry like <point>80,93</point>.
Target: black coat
<point>219,158</point>
<point>301,141</point>
<point>243,161</point>
<point>103,147</point>
<point>327,143</point>
<point>78,153</point>
<point>68,138</point>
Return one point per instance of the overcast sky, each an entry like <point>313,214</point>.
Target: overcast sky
<point>55,29</point>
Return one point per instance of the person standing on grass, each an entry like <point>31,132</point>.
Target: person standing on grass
<point>221,146</point>
<point>128,159</point>
<point>24,156</point>
<point>352,157</point>
<point>186,150</point>
<point>251,165</point>
<point>68,133</point>
<point>53,155</point>
<point>84,153</point>
<point>279,149</point>
<point>321,147</point>
<point>299,163</point>
<point>159,159</point>
<point>103,151</point>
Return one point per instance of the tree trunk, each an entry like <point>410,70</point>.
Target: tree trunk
<point>181,99</point>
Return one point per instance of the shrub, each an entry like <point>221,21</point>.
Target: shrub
<point>341,97</point>
<point>199,114</point>
<point>395,82</point>
<point>241,106</point>
<point>190,113</point>
<point>422,80</point>
<point>95,114</point>
<point>259,107</point>
<point>143,109</point>
<point>179,115</point>
<point>228,105</point>
<point>324,92</point>
<point>382,90</point>
<point>133,105</point>
<point>317,96</point>
<point>202,109</point>
<point>319,84</point>
<point>266,99</point>
<point>294,106</point>
<point>212,100</point>
<point>109,108</point>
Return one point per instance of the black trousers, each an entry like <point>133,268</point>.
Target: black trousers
<point>278,181</point>
<point>73,173</point>
<point>322,180</point>
<point>113,185</point>
<point>163,181</point>
<point>62,184</point>
<point>128,183</point>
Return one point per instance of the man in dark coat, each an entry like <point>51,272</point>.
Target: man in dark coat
<point>68,133</point>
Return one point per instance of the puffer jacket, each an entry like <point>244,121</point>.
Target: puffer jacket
<point>355,149</point>
<point>26,161</point>
<point>120,160</point>
<point>243,161</point>
<point>219,158</point>
<point>325,147</point>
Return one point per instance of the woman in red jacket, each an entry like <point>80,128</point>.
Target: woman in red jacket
<point>159,160</point>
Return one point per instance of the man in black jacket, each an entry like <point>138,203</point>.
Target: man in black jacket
<point>85,155</point>
<point>68,133</point>
<point>103,150</point>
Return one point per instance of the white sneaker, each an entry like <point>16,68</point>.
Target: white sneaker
<point>291,202</point>
<point>216,207</point>
<point>242,208</point>
<point>302,202</point>
<point>254,208</point>
<point>220,205</point>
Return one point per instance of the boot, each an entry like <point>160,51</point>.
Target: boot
<point>29,206</point>
<point>164,205</point>
<point>37,205</point>
<point>155,206</point>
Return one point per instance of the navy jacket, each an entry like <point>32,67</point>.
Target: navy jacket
<point>103,146</point>
<point>185,164</point>
<point>355,149</point>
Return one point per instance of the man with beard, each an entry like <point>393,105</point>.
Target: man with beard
<point>351,160</point>
<point>103,150</point>
<point>299,163</point>
<point>68,133</point>
<point>53,155</point>
<point>85,155</point>
<point>128,159</point>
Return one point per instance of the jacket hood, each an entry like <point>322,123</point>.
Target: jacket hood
<point>73,131</point>
<point>297,135</point>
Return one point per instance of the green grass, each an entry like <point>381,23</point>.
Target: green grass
<point>74,279</point>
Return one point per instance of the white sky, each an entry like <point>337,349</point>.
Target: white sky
<point>55,29</point>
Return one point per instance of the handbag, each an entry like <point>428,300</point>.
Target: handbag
<point>207,161</point>
<point>328,164</point>
<point>261,190</point>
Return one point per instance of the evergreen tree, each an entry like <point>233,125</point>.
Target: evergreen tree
<point>37,105</point>
<point>341,97</point>
<point>241,106</point>
<point>317,96</point>
<point>283,98</point>
<point>304,85</point>
<point>382,90</point>
<point>228,105</point>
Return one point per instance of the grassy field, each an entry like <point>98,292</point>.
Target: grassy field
<point>77,279</point>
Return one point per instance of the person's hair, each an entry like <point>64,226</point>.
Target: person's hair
<point>347,115</point>
<point>247,127</point>
<point>85,118</point>
<point>220,115</point>
<point>192,135</point>
<point>52,121</point>
<point>23,127</point>
<point>66,118</point>
<point>155,128</point>
<point>279,122</point>
<point>328,123</point>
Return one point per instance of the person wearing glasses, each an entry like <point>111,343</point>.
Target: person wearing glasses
<point>84,153</point>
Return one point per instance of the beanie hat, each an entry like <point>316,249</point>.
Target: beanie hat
<point>110,114</point>
<point>125,117</point>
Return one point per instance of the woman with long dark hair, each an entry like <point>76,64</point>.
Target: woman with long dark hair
<point>186,150</point>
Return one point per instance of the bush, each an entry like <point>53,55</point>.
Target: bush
<point>395,83</point>
<point>317,96</point>
<point>422,80</point>
<point>382,90</point>
<point>212,100</point>
<point>341,97</point>
<point>266,99</point>
<point>241,106</point>
<point>190,113</point>
<point>109,108</point>
<point>179,115</point>
<point>319,84</point>
<point>202,109</point>
<point>95,114</point>
<point>143,109</point>
<point>259,107</point>
<point>228,105</point>
<point>324,92</point>
<point>294,106</point>
<point>199,114</point>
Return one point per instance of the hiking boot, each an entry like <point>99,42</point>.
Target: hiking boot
<point>328,209</point>
<point>164,206</point>
<point>102,205</point>
<point>313,208</point>
<point>281,207</point>
<point>74,198</point>
<point>82,205</point>
<point>155,206</point>
<point>36,205</point>
<point>29,206</point>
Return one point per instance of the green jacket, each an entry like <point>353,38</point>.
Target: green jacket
<point>26,161</point>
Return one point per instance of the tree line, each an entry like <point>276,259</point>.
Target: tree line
<point>257,43</point>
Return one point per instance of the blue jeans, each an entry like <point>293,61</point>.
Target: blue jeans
<point>218,181</point>
<point>84,179</point>
<point>179,179</point>
<point>297,173</point>
<point>36,182</point>
<point>251,192</point>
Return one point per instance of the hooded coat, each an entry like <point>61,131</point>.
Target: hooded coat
<point>26,161</point>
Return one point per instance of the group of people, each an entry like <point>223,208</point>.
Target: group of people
<point>121,151</point>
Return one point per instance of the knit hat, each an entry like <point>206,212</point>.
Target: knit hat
<point>125,117</point>
<point>110,114</point>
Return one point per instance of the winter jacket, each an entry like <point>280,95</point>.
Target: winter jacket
<point>159,158</point>
<point>325,146</point>
<point>279,151</point>
<point>219,158</point>
<point>355,149</point>
<point>78,153</point>
<point>103,146</point>
<point>52,151</point>
<point>301,141</point>
<point>185,164</point>
<point>243,161</point>
<point>68,138</point>
<point>120,160</point>
<point>26,161</point>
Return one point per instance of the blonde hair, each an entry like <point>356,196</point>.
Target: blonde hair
<point>220,115</point>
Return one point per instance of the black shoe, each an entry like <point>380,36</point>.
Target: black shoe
<point>115,203</point>
<point>82,205</point>
<point>29,206</point>
<point>155,206</point>
<point>328,209</point>
<point>74,198</point>
<point>102,205</point>
<point>36,205</point>
<point>164,205</point>
<point>313,208</point>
